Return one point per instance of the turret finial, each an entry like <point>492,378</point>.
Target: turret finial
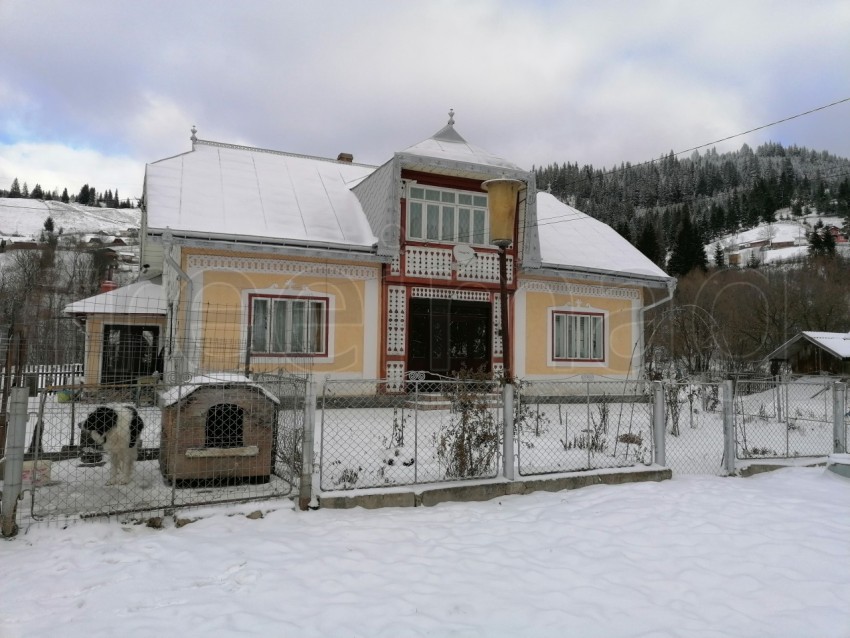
<point>194,137</point>
<point>451,117</point>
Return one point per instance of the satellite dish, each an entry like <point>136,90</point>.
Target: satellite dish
<point>463,254</point>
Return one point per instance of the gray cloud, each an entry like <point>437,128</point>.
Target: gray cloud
<point>535,82</point>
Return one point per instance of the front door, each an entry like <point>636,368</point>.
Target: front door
<point>448,336</point>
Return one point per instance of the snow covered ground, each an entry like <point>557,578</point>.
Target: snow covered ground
<point>23,219</point>
<point>694,556</point>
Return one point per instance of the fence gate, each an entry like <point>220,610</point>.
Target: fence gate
<point>203,441</point>
<point>694,440</point>
<point>783,419</point>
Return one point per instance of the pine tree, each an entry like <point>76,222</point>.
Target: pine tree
<point>648,243</point>
<point>688,252</point>
<point>828,242</point>
<point>65,197</point>
<point>15,191</point>
<point>37,193</point>
<point>719,256</point>
<point>25,191</point>
<point>49,225</point>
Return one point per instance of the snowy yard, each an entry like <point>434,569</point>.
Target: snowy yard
<point>694,556</point>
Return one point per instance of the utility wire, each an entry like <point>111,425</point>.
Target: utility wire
<point>614,171</point>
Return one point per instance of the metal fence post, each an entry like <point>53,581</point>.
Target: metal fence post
<point>13,469</point>
<point>305,495</point>
<point>729,449</point>
<point>508,443</point>
<point>839,408</point>
<point>659,429</point>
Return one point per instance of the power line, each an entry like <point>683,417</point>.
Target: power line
<point>570,217</point>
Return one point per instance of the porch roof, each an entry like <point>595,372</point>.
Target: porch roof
<point>570,239</point>
<point>139,298</point>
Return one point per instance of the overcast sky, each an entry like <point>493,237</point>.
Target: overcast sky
<point>91,90</point>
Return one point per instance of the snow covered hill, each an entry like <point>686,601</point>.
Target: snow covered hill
<point>23,219</point>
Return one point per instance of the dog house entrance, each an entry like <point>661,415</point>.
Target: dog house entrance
<point>224,426</point>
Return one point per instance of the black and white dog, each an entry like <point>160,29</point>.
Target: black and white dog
<point>117,428</point>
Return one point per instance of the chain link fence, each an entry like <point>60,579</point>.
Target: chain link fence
<point>694,426</point>
<point>572,425</point>
<point>95,450</point>
<point>784,418</point>
<point>432,431</point>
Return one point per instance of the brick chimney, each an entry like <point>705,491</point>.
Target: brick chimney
<point>345,157</point>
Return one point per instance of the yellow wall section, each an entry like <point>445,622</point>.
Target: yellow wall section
<point>223,331</point>
<point>619,333</point>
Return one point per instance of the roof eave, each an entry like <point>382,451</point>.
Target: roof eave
<point>248,243</point>
<point>594,274</point>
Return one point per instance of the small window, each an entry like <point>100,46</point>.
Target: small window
<point>224,426</point>
<point>448,216</point>
<point>578,336</point>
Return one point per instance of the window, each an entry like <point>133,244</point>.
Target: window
<point>438,214</point>
<point>578,336</point>
<point>289,325</point>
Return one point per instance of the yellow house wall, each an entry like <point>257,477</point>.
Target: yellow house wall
<point>619,333</point>
<point>223,319</point>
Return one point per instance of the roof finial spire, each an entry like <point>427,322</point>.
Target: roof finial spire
<point>451,116</point>
<point>194,137</point>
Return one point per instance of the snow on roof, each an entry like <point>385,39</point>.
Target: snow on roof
<point>179,392</point>
<point>449,145</point>
<point>236,191</point>
<point>836,343</point>
<point>140,298</point>
<point>572,239</point>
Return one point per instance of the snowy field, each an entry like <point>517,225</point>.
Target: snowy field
<point>694,556</point>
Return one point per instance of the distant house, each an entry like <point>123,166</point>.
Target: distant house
<point>815,353</point>
<point>279,261</point>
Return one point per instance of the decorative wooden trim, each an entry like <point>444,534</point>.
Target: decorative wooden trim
<point>199,263</point>
<point>396,325</point>
<point>580,289</point>
<point>422,292</point>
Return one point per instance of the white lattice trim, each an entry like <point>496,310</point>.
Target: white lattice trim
<point>485,267</point>
<point>498,370</point>
<point>449,293</point>
<point>196,263</point>
<point>395,265</point>
<point>396,319</point>
<point>395,376</point>
<point>423,261</point>
<point>497,326</point>
<point>582,290</point>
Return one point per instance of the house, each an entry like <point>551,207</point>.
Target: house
<point>279,261</point>
<point>815,353</point>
